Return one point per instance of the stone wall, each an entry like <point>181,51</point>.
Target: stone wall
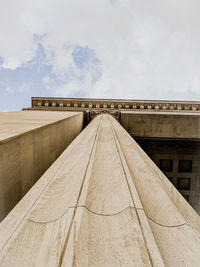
<point>30,141</point>
<point>162,125</point>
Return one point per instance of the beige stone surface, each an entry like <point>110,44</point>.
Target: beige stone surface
<point>103,202</point>
<point>30,141</point>
<point>171,125</point>
<point>18,122</point>
<point>122,104</point>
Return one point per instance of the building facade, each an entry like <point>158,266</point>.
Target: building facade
<point>98,183</point>
<point>168,131</point>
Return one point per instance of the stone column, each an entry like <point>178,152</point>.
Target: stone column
<point>102,203</point>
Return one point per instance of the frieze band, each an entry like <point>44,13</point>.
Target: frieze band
<point>79,104</point>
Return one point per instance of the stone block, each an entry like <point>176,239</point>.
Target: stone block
<point>29,143</point>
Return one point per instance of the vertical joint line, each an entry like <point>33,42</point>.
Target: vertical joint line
<point>116,141</point>
<point>78,198</point>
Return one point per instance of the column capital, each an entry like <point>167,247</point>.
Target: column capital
<point>113,112</point>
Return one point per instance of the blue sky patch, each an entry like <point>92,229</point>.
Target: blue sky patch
<point>86,60</point>
<point>37,78</point>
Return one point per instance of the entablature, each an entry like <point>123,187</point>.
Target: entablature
<point>84,104</point>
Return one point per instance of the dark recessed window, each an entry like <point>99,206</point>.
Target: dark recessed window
<point>186,197</point>
<point>185,166</point>
<point>170,179</point>
<point>166,165</point>
<point>183,183</point>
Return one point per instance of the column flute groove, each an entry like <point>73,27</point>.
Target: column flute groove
<point>76,206</point>
<point>117,146</point>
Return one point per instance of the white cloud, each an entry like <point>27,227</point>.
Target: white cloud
<point>24,87</point>
<point>17,88</point>
<point>16,43</point>
<point>9,90</point>
<point>146,49</point>
<point>46,79</point>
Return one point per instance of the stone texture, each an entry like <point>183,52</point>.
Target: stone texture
<point>30,141</point>
<point>171,125</point>
<point>53,103</point>
<point>103,202</point>
<point>159,120</point>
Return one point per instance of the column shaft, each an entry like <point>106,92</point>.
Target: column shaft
<point>102,203</point>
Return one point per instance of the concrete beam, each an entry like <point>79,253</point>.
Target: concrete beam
<point>161,125</point>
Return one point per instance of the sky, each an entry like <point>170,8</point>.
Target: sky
<point>99,48</point>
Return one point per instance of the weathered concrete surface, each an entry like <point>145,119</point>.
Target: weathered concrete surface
<point>30,141</point>
<point>102,203</point>
<point>172,125</point>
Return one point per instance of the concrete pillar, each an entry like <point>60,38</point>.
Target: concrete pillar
<point>103,202</point>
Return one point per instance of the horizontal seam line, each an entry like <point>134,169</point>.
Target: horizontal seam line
<point>83,206</point>
<point>109,214</point>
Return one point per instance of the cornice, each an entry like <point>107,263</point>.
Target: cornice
<point>84,104</point>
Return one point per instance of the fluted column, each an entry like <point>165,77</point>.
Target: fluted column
<point>102,203</point>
